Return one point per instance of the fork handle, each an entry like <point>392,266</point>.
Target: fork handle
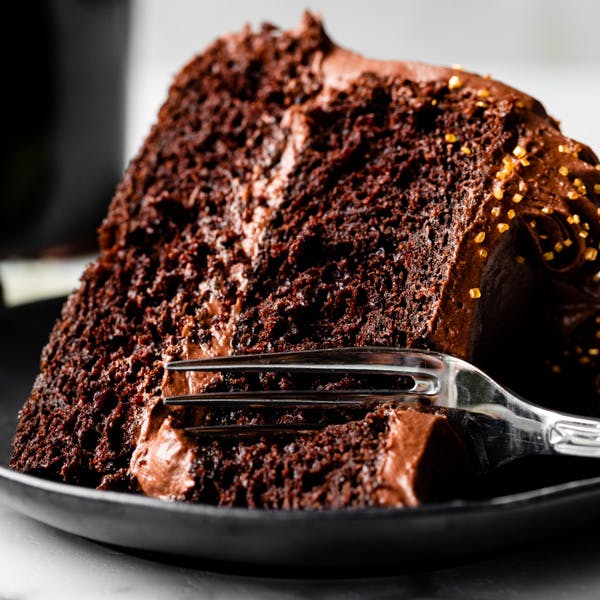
<point>574,436</point>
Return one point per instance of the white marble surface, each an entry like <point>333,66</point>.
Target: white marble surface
<point>37,562</point>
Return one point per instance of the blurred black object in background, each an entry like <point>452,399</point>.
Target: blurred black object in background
<point>61,152</point>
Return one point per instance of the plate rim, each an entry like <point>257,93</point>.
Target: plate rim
<point>510,501</point>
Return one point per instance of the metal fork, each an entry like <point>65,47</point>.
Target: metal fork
<point>500,426</point>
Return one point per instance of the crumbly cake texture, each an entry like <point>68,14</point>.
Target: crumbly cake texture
<point>294,195</point>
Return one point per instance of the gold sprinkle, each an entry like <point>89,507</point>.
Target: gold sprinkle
<point>586,226</point>
<point>434,102</point>
<point>520,259</point>
<point>580,186</point>
<point>548,255</point>
<point>454,82</point>
<point>597,332</point>
<point>572,195</point>
<point>487,76</point>
<point>598,167</point>
<point>480,237</point>
<point>597,188</point>
<point>483,252</point>
<point>590,254</point>
<point>583,234</point>
<point>568,242</point>
<point>475,293</point>
<point>532,224</point>
<point>598,211</point>
<point>520,104</point>
<point>517,198</point>
<point>555,369</point>
<point>450,138</point>
<point>483,93</point>
<point>576,219</point>
<point>457,66</point>
<point>562,148</point>
<point>547,210</point>
<point>495,211</point>
<point>511,214</point>
<point>522,186</point>
<point>525,162</point>
<point>584,360</point>
<point>519,152</point>
<point>465,150</point>
<point>564,171</point>
<point>498,193</point>
<point>481,104</point>
<point>558,247</point>
<point>593,351</point>
<point>502,227</point>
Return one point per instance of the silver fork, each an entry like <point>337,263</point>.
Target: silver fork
<point>500,425</point>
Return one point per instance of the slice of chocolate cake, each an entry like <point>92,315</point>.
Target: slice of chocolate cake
<point>294,195</point>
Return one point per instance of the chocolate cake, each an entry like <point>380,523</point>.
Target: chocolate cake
<point>294,195</point>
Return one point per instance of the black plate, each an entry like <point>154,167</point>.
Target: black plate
<point>437,534</point>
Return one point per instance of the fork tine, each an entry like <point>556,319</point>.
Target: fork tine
<point>254,429</point>
<point>295,398</point>
<point>376,360</point>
